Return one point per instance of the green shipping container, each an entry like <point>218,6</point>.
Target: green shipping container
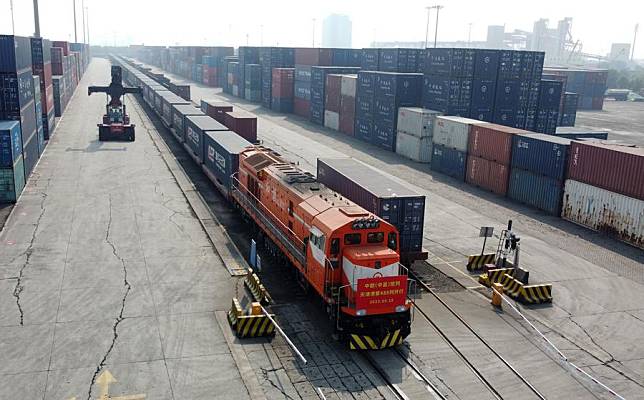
<point>12,181</point>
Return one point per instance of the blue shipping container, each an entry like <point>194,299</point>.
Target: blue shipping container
<point>10,143</point>
<point>364,128</point>
<point>221,157</point>
<point>12,181</point>
<point>539,191</point>
<point>486,64</point>
<point>195,127</point>
<point>456,62</point>
<point>384,134</point>
<point>404,87</point>
<point>370,60</point>
<point>179,114</point>
<point>543,154</point>
<point>30,154</point>
<point>449,162</point>
<point>451,96</point>
<point>15,54</point>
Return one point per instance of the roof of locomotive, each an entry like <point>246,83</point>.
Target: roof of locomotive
<point>326,206</point>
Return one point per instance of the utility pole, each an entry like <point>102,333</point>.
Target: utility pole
<point>438,9</point>
<point>637,26</point>
<point>75,35</point>
<point>83,11</point>
<point>427,26</point>
<point>313,32</point>
<point>87,12</point>
<point>36,19</point>
<point>13,24</point>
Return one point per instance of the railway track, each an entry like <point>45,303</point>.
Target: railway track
<point>476,371</point>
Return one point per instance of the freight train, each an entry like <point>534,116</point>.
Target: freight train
<point>347,255</point>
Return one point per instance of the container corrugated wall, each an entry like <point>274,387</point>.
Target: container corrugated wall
<point>487,175</point>
<point>535,190</point>
<point>615,168</point>
<point>452,132</point>
<point>449,161</point>
<point>605,211</point>
<point>414,147</point>
<point>542,154</point>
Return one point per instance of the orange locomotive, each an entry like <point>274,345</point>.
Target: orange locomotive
<point>346,254</point>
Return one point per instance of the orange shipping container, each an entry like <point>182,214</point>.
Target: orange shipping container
<point>492,142</point>
<point>487,175</point>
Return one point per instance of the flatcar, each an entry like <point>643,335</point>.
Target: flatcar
<point>347,255</point>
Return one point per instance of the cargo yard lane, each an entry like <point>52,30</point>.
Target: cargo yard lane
<point>596,316</point>
<point>106,276</point>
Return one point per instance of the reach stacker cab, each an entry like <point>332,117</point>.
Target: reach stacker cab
<point>116,123</point>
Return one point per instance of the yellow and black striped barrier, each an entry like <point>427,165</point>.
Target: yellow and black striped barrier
<point>494,276</point>
<point>253,324</point>
<point>537,294</point>
<point>256,288</point>
<point>476,262</point>
<point>366,342</point>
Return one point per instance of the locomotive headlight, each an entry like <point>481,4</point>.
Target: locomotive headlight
<point>400,308</point>
<point>361,313</point>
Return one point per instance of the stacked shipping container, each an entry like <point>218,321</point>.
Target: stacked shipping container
<point>282,82</point>
<point>539,164</point>
<point>415,133</point>
<point>271,58</point>
<point>605,189</point>
<point>589,84</point>
<point>379,194</point>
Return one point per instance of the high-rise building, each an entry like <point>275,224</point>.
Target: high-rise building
<point>336,31</point>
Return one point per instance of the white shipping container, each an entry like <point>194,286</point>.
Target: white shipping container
<point>332,120</point>
<point>606,211</point>
<point>348,85</point>
<point>414,147</point>
<point>235,90</point>
<point>453,132</point>
<point>417,121</point>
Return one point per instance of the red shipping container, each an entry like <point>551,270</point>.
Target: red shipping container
<point>302,107</point>
<point>216,109</point>
<point>598,103</point>
<point>347,114</point>
<point>332,92</point>
<point>63,45</point>
<point>242,123</point>
<point>487,175</point>
<point>282,82</point>
<point>617,168</point>
<point>311,56</point>
<point>492,142</point>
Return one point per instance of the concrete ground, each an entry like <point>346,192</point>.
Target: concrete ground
<point>597,315</point>
<point>622,118</point>
<point>108,282</point>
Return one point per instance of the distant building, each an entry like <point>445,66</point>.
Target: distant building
<point>336,31</point>
<point>495,36</point>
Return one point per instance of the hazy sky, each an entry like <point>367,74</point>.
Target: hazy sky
<point>289,22</point>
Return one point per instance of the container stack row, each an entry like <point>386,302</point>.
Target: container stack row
<point>522,165</point>
<point>271,58</point>
<point>340,102</point>
<point>27,103</point>
<point>588,84</point>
